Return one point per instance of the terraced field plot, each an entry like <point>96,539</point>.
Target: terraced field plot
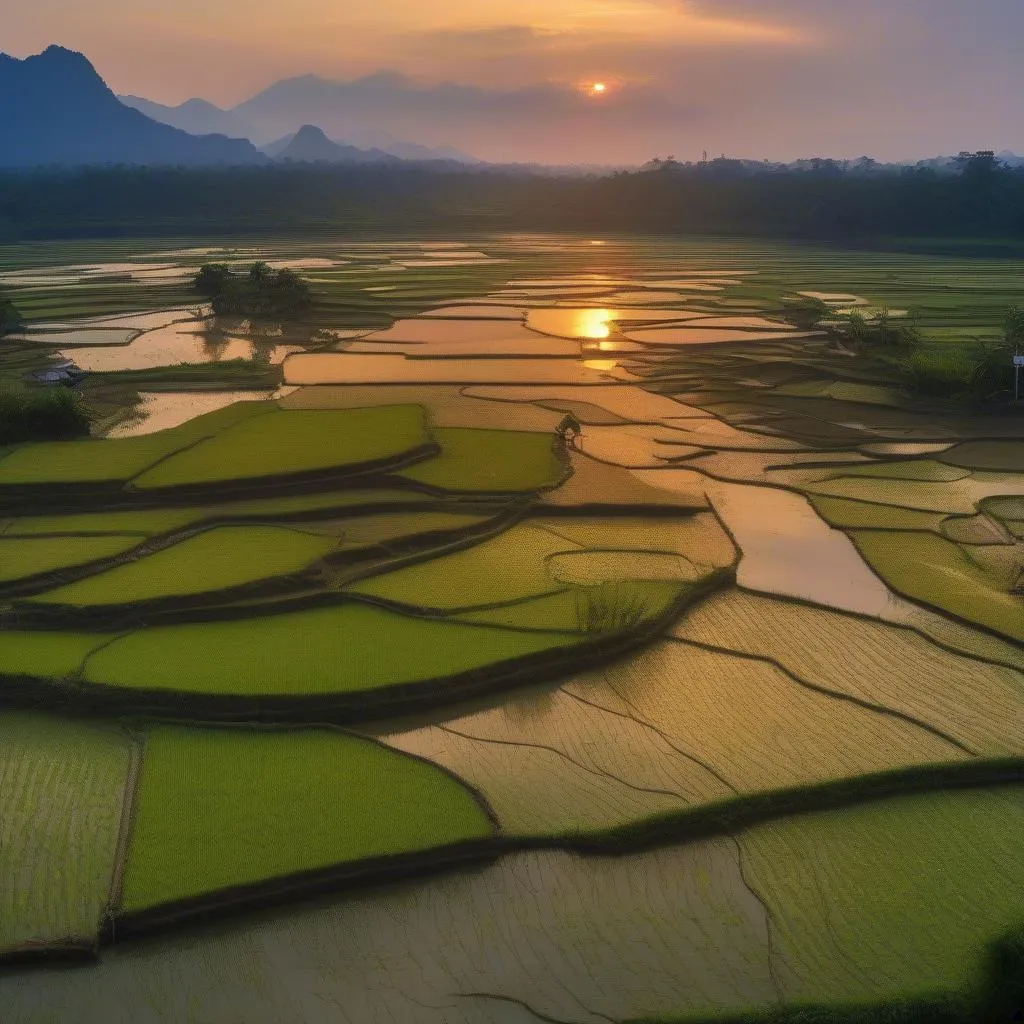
<point>214,560</point>
<point>20,558</point>
<point>223,809</point>
<point>618,595</point>
<point>349,649</point>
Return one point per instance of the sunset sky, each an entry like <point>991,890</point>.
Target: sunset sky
<point>759,78</point>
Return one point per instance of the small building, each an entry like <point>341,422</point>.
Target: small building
<point>64,372</point>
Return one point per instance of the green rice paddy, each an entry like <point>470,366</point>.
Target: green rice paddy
<point>938,572</point>
<point>491,461</point>
<point>220,809</point>
<point>64,462</point>
<point>511,566</point>
<point>168,520</point>
<point>286,443</point>
<point>33,556</point>
<point>916,888</point>
<point>344,650</point>
<point>229,556</point>
<point>45,655</point>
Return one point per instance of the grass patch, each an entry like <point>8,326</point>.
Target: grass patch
<point>295,442</point>
<point>217,809</point>
<point>328,651</point>
<point>490,461</point>
<point>34,555</point>
<point>228,556</point>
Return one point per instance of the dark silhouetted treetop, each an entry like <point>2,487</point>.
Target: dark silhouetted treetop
<point>816,199</point>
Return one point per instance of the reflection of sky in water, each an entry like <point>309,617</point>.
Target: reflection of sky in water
<point>167,409</point>
<point>178,344</point>
<point>595,323</point>
<point>584,324</point>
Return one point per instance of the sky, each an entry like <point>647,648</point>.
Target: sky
<point>762,79</point>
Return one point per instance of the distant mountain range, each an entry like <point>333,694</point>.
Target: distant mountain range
<point>200,117</point>
<point>195,116</point>
<point>56,110</point>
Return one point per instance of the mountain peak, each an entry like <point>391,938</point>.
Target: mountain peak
<point>56,52</point>
<point>56,109</point>
<point>57,59</point>
<point>309,132</point>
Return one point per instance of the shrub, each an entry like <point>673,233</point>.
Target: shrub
<point>41,415</point>
<point>982,370</point>
<point>941,373</point>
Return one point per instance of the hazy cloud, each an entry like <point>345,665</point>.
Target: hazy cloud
<point>764,78</point>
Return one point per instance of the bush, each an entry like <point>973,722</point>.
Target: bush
<point>940,373</point>
<point>41,415</point>
<point>11,321</point>
<point>983,370</point>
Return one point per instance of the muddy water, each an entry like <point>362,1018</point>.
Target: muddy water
<point>788,549</point>
<point>178,343</point>
<point>165,409</point>
<point>341,368</point>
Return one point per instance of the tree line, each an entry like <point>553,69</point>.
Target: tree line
<point>978,198</point>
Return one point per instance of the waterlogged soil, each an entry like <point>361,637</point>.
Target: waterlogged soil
<point>179,343</point>
<point>343,368</point>
<point>165,409</point>
<point>540,933</point>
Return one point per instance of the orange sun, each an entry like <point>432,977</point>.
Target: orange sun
<point>598,89</point>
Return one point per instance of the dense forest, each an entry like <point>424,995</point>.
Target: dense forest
<point>979,198</point>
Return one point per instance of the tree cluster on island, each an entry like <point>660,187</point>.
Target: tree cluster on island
<point>263,293</point>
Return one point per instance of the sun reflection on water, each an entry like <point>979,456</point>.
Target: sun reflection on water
<point>592,323</point>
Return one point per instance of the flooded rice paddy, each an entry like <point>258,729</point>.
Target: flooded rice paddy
<point>815,516</point>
